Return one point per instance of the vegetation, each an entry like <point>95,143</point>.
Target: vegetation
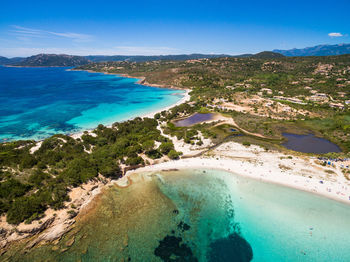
<point>321,85</point>
<point>30,183</point>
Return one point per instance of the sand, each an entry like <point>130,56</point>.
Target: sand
<point>273,167</point>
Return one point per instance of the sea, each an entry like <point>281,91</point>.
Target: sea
<point>36,103</point>
<point>203,215</point>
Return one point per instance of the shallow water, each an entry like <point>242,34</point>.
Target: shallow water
<point>194,119</point>
<point>203,215</point>
<point>309,144</point>
<point>39,102</point>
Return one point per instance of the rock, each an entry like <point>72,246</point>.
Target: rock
<point>39,229</point>
<point>3,243</point>
<point>3,232</point>
<point>72,214</point>
<point>64,250</point>
<point>70,242</point>
<point>55,248</point>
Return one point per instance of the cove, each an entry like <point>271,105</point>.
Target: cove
<point>202,215</point>
<point>39,102</point>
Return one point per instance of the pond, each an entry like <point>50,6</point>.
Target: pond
<point>194,119</point>
<point>309,144</point>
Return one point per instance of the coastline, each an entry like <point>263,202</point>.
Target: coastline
<point>300,173</point>
<point>268,169</point>
<point>252,162</point>
<point>186,97</point>
<point>78,133</point>
<point>292,181</point>
<point>140,80</point>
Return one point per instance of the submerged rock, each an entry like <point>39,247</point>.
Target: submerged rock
<point>172,249</point>
<point>233,248</point>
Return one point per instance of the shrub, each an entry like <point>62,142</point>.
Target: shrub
<point>174,154</point>
<point>166,147</point>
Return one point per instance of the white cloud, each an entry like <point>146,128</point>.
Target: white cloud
<point>21,31</point>
<point>119,50</point>
<point>335,34</point>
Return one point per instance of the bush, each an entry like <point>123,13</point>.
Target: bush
<point>133,161</point>
<point>13,188</point>
<point>23,208</point>
<point>165,148</point>
<point>246,143</point>
<point>110,169</point>
<point>38,177</point>
<point>28,161</point>
<point>154,154</point>
<point>174,154</point>
<point>79,171</point>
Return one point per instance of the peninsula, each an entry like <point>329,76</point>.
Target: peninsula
<point>250,104</point>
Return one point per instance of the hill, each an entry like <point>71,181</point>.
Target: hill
<point>267,55</point>
<point>141,58</point>
<point>319,50</point>
<point>53,60</point>
<point>10,61</point>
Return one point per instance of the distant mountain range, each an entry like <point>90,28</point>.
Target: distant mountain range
<point>53,60</point>
<point>10,61</point>
<point>140,58</point>
<point>70,60</point>
<point>319,50</point>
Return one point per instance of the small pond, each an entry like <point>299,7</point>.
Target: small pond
<point>309,144</point>
<point>194,119</point>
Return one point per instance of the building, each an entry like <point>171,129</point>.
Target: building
<point>267,90</point>
<point>290,99</point>
<point>336,105</point>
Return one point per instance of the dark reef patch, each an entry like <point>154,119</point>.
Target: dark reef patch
<point>183,226</point>
<point>171,249</point>
<point>234,248</point>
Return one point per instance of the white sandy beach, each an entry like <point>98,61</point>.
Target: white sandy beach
<point>272,167</point>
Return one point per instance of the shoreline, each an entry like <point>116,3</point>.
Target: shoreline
<point>251,162</point>
<point>235,167</point>
<point>299,172</point>
<point>185,97</point>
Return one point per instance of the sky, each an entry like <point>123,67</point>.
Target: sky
<point>29,27</point>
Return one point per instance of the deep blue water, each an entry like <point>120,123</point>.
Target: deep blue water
<point>38,102</point>
<point>309,144</point>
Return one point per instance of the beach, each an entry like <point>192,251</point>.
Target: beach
<point>304,173</point>
<point>297,172</point>
<point>259,182</point>
<point>301,173</point>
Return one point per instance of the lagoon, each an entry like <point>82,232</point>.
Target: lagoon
<point>194,119</point>
<point>39,102</point>
<point>309,144</point>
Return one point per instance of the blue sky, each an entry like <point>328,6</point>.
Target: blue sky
<point>168,27</point>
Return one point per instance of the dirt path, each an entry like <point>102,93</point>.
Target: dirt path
<point>231,121</point>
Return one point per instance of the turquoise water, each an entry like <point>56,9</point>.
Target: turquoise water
<point>39,102</point>
<point>202,216</point>
<point>274,223</point>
